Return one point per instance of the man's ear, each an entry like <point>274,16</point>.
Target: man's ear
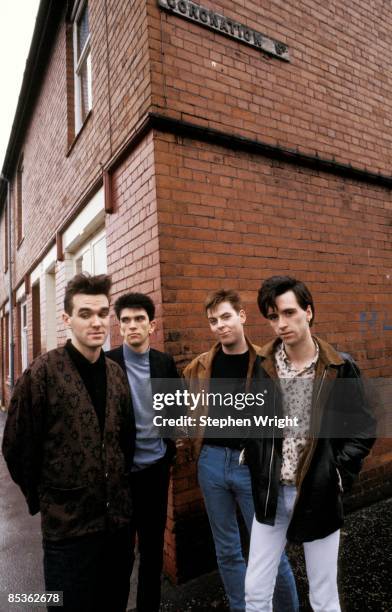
<point>153,325</point>
<point>66,320</point>
<point>242,314</point>
<point>309,313</point>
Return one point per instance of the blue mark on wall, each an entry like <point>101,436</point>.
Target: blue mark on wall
<point>369,321</point>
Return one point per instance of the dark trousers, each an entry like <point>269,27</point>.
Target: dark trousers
<point>149,497</point>
<point>93,571</point>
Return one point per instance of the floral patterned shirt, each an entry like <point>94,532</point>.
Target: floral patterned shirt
<point>297,390</point>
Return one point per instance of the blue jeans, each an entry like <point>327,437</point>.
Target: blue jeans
<point>225,483</point>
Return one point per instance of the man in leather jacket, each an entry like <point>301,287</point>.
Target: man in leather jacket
<point>298,480</point>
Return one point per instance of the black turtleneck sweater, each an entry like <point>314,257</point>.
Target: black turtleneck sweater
<point>94,378</point>
<point>234,367</point>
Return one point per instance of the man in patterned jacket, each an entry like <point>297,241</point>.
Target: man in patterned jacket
<point>68,444</point>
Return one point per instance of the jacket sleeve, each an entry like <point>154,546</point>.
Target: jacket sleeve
<point>359,422</point>
<point>173,372</point>
<point>128,429</point>
<point>23,437</point>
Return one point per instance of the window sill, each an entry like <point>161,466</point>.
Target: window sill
<point>75,140</point>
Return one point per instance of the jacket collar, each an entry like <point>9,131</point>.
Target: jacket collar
<point>328,356</point>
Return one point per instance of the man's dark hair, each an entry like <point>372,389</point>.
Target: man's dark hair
<point>275,286</point>
<point>223,295</point>
<point>135,300</point>
<point>89,285</point>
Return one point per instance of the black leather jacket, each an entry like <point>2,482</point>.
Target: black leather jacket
<point>328,465</point>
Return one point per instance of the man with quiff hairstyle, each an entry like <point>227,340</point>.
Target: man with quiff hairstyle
<point>68,443</point>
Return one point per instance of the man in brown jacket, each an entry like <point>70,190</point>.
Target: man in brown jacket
<point>68,444</point>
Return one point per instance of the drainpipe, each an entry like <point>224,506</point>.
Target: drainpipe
<point>10,298</point>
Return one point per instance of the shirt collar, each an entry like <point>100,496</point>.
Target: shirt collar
<point>281,357</point>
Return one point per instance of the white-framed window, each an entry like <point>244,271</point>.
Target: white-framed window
<point>36,317</point>
<point>82,65</point>
<point>23,335</point>
<point>50,313</point>
<point>91,257</point>
<point>7,357</point>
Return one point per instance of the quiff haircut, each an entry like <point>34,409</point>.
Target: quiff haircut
<point>223,295</point>
<point>88,285</point>
<point>274,286</point>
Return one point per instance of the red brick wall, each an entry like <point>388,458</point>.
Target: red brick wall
<point>334,97</point>
<point>132,232</point>
<point>232,219</point>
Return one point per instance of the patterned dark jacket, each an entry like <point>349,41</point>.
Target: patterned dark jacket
<point>55,452</point>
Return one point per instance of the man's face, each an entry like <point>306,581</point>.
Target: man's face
<point>89,321</point>
<point>288,320</point>
<point>135,328</point>
<point>227,324</point>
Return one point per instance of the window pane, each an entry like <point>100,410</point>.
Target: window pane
<point>85,88</point>
<point>83,263</point>
<point>23,335</point>
<point>83,30</point>
<point>99,256</point>
<point>89,83</point>
<point>7,344</point>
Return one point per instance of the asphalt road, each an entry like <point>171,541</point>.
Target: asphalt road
<point>365,565</point>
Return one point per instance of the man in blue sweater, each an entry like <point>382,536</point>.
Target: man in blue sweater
<point>153,455</point>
